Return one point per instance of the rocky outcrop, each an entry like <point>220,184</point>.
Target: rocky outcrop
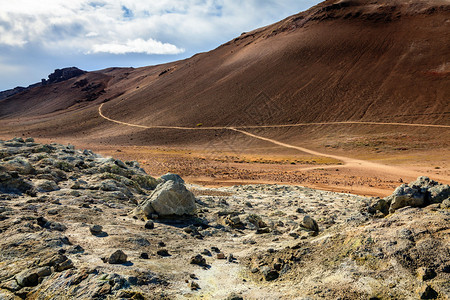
<point>11,92</point>
<point>419,193</point>
<point>170,199</point>
<point>64,213</point>
<point>57,76</point>
<point>30,168</point>
<point>64,74</point>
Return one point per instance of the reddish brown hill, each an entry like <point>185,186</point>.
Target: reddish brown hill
<point>341,60</point>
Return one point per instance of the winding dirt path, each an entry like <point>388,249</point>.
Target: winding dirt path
<point>100,112</point>
<point>348,162</point>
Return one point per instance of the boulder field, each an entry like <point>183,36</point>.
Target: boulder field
<point>75,224</point>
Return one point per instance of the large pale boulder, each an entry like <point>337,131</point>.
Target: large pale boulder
<point>170,199</point>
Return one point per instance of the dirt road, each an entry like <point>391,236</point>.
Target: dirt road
<point>347,161</point>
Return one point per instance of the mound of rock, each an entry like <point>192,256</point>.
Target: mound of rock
<point>30,168</point>
<point>49,194</point>
<point>170,198</point>
<point>419,193</point>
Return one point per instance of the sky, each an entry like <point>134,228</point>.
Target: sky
<point>37,37</point>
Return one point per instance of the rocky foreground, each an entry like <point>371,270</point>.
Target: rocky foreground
<point>74,224</point>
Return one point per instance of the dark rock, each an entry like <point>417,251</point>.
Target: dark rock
<point>43,271</point>
<point>263,230</point>
<point>300,210</point>
<point>67,264</point>
<point>269,274</point>
<point>118,257</point>
<point>231,258</point>
<point>76,249</point>
<point>163,252</point>
<point>41,221</point>
<point>96,229</point>
<point>144,255</point>
<point>194,285</point>
<point>27,278</point>
<point>234,222</point>
<point>149,224</point>
<point>198,260</point>
<point>206,252</point>
<point>310,223</point>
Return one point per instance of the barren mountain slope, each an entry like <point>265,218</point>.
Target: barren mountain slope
<point>338,61</point>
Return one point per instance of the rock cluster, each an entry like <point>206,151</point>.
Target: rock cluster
<point>76,225</point>
<point>50,190</point>
<point>419,193</point>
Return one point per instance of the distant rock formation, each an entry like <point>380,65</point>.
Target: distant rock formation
<point>57,76</point>
<point>63,74</point>
<point>7,93</point>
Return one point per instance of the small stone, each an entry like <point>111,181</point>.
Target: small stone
<point>198,260</point>
<point>206,252</point>
<point>144,255</point>
<point>300,210</point>
<point>149,224</point>
<point>215,249</point>
<point>53,211</point>
<point>43,271</point>
<point>27,278</point>
<point>220,255</point>
<point>231,258</point>
<point>161,244</point>
<point>41,221</point>
<point>269,274</point>
<point>310,223</point>
<point>76,249</point>
<point>118,257</point>
<point>163,252</point>
<point>96,229</point>
<point>67,264</point>
<point>194,285</point>
<point>263,230</point>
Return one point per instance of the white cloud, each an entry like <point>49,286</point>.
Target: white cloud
<point>46,34</point>
<point>124,26</point>
<point>137,46</point>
